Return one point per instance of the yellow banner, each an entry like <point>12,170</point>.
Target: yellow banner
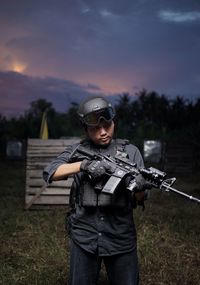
<point>44,128</point>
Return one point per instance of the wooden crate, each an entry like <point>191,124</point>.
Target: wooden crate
<point>39,154</point>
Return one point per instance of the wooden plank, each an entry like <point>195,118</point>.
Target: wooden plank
<point>34,173</point>
<point>37,173</point>
<point>49,200</point>
<point>40,182</point>
<point>52,142</point>
<point>37,164</point>
<point>44,154</point>
<point>49,191</point>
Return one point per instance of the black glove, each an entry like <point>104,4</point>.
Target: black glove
<point>138,183</point>
<point>141,183</point>
<point>96,168</point>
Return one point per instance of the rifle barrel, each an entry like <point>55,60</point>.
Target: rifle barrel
<point>169,188</point>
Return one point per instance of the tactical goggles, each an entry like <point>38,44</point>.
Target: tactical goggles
<point>94,118</point>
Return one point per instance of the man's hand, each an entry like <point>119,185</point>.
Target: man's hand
<point>141,183</point>
<point>137,184</point>
<point>96,168</point>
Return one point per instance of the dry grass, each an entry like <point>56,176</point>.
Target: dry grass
<point>34,246</point>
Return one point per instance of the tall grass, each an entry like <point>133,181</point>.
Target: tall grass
<point>34,245</point>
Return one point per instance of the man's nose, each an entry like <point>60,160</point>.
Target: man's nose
<point>102,130</point>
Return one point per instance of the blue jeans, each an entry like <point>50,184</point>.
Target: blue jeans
<point>85,267</point>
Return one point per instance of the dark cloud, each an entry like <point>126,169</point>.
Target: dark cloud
<point>17,91</point>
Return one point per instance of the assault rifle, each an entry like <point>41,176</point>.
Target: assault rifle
<point>121,166</point>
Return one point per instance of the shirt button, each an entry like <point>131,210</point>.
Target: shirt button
<point>100,234</point>
<point>102,218</point>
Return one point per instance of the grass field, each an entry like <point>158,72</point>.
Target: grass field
<point>34,245</point>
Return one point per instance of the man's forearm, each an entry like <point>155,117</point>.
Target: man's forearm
<point>65,170</point>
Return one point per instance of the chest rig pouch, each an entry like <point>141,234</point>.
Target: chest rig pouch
<point>90,196</point>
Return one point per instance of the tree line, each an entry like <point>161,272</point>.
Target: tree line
<point>149,116</point>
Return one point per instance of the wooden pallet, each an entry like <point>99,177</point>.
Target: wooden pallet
<point>39,154</point>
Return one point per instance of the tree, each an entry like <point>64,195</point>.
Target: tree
<point>33,117</point>
<point>38,107</point>
<point>124,116</point>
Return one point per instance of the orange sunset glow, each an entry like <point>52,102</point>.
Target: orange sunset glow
<point>18,67</point>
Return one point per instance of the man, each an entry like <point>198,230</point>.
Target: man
<point>101,225</point>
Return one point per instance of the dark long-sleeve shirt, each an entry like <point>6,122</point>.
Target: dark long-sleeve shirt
<point>102,230</point>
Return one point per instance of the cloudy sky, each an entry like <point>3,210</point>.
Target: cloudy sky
<point>65,50</point>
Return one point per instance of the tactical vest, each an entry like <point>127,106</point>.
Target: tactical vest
<point>83,191</point>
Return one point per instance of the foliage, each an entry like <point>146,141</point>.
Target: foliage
<point>146,115</point>
<point>156,117</point>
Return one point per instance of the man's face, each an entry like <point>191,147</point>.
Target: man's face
<point>101,134</point>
